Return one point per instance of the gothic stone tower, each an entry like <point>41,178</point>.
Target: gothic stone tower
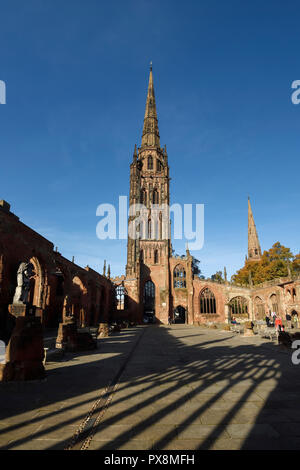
<point>254,250</point>
<point>148,253</point>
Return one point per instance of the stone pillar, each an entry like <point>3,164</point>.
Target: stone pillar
<point>25,351</point>
<point>67,335</point>
<point>227,314</point>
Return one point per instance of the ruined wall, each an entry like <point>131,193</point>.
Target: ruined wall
<point>89,293</point>
<point>283,294</point>
<point>219,292</point>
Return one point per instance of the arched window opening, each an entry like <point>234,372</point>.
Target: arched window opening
<point>179,277</point>
<point>259,308</point>
<point>35,294</point>
<point>155,197</point>
<point>150,162</point>
<point>143,198</point>
<point>294,295</point>
<point>274,304</point>
<point>149,298</point>
<point>155,256</point>
<point>160,226</point>
<point>238,306</point>
<point>121,296</point>
<point>59,285</point>
<point>149,228</point>
<point>207,302</point>
<point>158,166</point>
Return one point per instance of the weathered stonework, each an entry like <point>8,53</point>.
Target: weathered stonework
<point>90,295</point>
<point>150,257</point>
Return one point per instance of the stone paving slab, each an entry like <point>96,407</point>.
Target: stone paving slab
<point>183,388</point>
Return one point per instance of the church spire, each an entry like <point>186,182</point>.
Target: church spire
<point>254,250</point>
<point>150,137</point>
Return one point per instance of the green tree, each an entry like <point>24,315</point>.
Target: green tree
<point>218,277</point>
<point>274,263</point>
<point>195,267</point>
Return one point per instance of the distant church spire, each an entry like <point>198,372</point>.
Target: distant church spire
<point>254,250</point>
<point>150,137</point>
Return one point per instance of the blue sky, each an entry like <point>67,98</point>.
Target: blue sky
<point>76,74</point>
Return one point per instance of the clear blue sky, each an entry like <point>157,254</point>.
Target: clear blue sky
<point>76,74</point>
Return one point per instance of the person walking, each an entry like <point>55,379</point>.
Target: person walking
<point>288,320</point>
<point>278,324</point>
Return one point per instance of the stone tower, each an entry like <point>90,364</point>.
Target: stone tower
<point>148,254</point>
<point>254,250</point>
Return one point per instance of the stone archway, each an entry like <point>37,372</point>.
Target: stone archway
<point>180,315</point>
<point>259,309</point>
<point>79,292</point>
<point>239,307</point>
<point>273,300</point>
<point>36,284</point>
<point>149,301</point>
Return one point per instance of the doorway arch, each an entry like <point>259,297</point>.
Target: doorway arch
<point>180,314</point>
<point>149,301</point>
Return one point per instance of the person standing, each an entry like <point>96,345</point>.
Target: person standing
<point>278,324</point>
<point>273,315</point>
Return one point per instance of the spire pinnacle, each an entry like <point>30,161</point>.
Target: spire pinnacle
<point>254,250</point>
<point>150,137</point>
<point>135,154</point>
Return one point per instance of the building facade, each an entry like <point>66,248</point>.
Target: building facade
<point>58,287</point>
<point>158,285</point>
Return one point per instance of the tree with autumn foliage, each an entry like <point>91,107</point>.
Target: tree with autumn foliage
<point>278,261</point>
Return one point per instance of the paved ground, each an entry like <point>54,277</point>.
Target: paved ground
<point>176,387</point>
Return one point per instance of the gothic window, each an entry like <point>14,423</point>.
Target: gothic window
<point>294,295</point>
<point>160,226</point>
<point>158,166</point>
<point>238,306</point>
<point>259,308</point>
<point>155,256</point>
<point>150,162</point>
<point>60,286</point>
<point>274,304</point>
<point>121,296</point>
<point>149,295</point>
<point>143,199</point>
<point>149,228</point>
<point>179,276</point>
<point>155,197</point>
<point>207,302</point>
